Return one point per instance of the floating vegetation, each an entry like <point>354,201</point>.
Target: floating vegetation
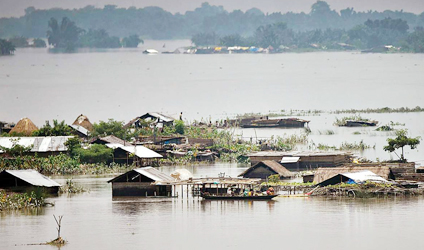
<point>13,201</point>
<point>381,110</point>
<point>345,146</point>
<point>71,188</point>
<point>356,133</point>
<point>354,146</point>
<point>390,126</point>
<point>343,120</point>
<point>366,190</point>
<point>326,132</point>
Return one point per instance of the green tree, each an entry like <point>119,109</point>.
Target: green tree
<point>415,41</point>
<point>401,141</point>
<point>6,48</point>
<point>58,129</point>
<point>131,41</point>
<point>64,35</point>
<point>274,35</point>
<point>111,127</point>
<point>179,127</point>
<point>72,144</point>
<point>19,41</point>
<point>96,153</point>
<point>98,39</point>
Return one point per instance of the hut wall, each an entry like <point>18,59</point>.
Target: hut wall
<point>139,189</point>
<point>259,172</point>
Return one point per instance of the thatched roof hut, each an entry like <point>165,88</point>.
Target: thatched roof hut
<point>264,169</point>
<point>83,121</point>
<point>24,126</point>
<point>323,174</point>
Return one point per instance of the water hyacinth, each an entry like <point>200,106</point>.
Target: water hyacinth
<point>15,201</point>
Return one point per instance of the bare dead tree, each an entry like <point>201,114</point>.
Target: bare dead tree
<point>59,224</point>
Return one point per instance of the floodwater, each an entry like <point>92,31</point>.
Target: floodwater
<point>96,221</point>
<point>125,83</point>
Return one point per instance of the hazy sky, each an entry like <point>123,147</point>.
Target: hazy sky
<point>16,8</point>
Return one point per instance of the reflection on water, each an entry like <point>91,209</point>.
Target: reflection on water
<point>95,220</point>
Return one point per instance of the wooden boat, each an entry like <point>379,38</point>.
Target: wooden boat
<point>222,197</point>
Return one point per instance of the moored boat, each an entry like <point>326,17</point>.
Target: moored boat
<point>222,197</point>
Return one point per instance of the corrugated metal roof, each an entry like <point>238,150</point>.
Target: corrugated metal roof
<point>154,174</point>
<point>80,129</point>
<point>150,173</point>
<point>39,144</point>
<point>33,177</point>
<point>139,151</point>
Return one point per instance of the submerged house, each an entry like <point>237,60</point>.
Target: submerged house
<point>335,175</point>
<point>273,123</point>
<point>141,182</point>
<point>264,169</point>
<point>22,180</point>
<point>301,160</point>
<point>353,178</point>
<point>141,155</point>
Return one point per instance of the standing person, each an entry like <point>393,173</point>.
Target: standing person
<point>181,116</point>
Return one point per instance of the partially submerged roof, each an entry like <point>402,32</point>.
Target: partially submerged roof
<point>273,165</point>
<point>139,151</point>
<point>323,174</point>
<point>150,173</point>
<point>357,177</point>
<point>110,139</point>
<point>33,177</point>
<point>39,144</point>
<point>296,153</point>
<point>24,126</point>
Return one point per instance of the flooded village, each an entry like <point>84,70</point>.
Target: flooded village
<point>229,125</point>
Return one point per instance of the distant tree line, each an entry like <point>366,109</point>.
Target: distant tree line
<point>156,23</point>
<point>371,34</point>
<point>67,35</point>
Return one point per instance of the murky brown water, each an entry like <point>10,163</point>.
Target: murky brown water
<point>96,221</point>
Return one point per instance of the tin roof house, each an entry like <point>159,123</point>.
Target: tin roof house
<point>141,182</point>
<point>22,180</point>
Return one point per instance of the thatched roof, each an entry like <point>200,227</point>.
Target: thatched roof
<point>24,126</point>
<point>323,174</point>
<point>273,165</point>
<point>83,121</point>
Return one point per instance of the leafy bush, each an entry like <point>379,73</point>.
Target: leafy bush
<point>96,153</point>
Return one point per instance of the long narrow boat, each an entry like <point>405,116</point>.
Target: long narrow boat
<point>221,197</point>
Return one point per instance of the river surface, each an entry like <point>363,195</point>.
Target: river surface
<point>95,220</point>
<point>125,83</point>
